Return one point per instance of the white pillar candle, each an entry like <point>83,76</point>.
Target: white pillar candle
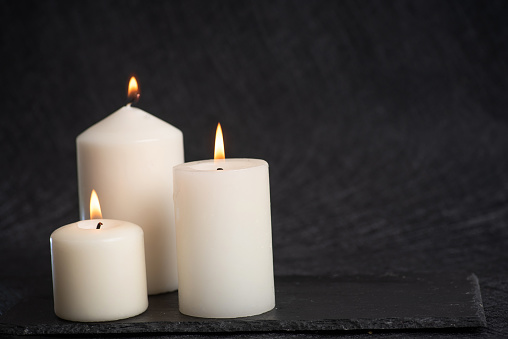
<point>98,274</point>
<point>224,241</point>
<point>128,158</point>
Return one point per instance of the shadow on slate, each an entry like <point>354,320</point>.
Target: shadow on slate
<point>393,301</point>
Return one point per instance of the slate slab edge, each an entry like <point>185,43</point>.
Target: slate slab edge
<point>477,296</point>
<point>253,325</point>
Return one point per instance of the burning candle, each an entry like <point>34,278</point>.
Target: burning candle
<point>98,269</point>
<point>128,157</point>
<point>224,240</point>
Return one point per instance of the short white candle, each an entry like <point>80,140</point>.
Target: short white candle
<point>98,274</point>
<point>224,241</point>
<point>128,158</point>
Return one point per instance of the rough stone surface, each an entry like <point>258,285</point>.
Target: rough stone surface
<point>303,304</point>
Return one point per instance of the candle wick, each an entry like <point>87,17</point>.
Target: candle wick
<point>220,169</point>
<point>99,225</point>
<point>133,98</point>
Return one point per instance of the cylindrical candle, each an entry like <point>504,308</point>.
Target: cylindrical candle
<point>128,159</point>
<point>98,274</point>
<point>224,239</point>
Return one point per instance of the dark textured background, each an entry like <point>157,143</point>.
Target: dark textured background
<point>384,124</point>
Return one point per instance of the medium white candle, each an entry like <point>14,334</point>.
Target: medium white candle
<point>128,158</point>
<point>224,241</point>
<point>98,274</point>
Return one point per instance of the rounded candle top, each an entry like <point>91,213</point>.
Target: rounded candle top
<point>220,166</point>
<point>86,230</point>
<point>129,124</point>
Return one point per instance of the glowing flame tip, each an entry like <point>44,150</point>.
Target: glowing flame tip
<point>133,91</point>
<point>219,144</point>
<point>95,206</point>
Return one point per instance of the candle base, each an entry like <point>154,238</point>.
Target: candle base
<point>103,317</point>
<point>226,313</point>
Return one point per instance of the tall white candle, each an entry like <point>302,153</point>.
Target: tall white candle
<point>128,158</point>
<point>98,269</point>
<point>224,241</point>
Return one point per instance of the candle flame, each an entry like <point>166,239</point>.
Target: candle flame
<point>219,144</point>
<point>133,91</point>
<point>95,206</point>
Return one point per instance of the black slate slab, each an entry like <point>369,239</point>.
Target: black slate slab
<point>303,304</point>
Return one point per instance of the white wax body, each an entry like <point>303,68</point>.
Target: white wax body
<point>98,274</point>
<point>224,239</point>
<point>128,159</point>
